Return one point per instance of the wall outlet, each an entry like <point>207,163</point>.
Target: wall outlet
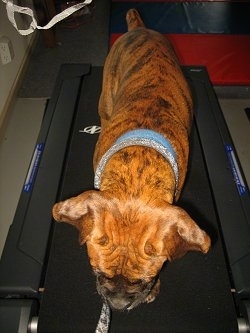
<point>6,50</point>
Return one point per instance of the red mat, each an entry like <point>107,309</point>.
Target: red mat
<point>227,57</point>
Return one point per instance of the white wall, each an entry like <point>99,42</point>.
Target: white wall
<point>10,73</point>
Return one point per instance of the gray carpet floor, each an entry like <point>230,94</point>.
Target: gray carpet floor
<point>87,43</point>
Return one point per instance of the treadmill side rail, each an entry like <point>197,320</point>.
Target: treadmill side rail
<point>23,257</point>
<point>233,206</point>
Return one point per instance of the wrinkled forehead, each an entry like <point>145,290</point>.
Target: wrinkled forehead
<point>126,264</point>
<point>119,243</point>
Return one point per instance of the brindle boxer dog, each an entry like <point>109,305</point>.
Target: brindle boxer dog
<point>131,225</point>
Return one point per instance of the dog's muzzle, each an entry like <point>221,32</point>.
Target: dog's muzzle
<point>122,295</point>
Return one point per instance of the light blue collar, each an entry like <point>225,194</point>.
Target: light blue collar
<point>140,137</point>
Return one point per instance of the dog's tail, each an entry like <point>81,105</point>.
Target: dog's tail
<point>134,20</point>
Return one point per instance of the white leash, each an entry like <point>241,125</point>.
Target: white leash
<point>13,8</point>
<point>104,320</point>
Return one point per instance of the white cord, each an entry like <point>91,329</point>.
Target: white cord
<point>13,8</point>
<point>104,320</point>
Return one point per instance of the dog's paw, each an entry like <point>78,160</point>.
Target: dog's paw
<point>153,293</point>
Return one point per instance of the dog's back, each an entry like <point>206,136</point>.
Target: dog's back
<point>144,87</point>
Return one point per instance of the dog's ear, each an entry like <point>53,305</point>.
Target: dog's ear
<point>179,234</point>
<point>184,235</point>
<point>76,211</point>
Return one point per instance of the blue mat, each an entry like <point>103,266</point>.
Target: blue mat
<point>186,17</point>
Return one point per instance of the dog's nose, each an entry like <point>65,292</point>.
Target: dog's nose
<point>119,304</point>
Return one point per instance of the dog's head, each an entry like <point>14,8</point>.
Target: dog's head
<point>128,242</point>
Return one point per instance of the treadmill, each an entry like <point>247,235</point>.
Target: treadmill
<point>46,283</point>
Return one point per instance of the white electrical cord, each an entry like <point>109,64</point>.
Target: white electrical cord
<point>13,8</point>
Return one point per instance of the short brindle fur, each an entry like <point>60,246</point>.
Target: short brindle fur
<point>131,226</point>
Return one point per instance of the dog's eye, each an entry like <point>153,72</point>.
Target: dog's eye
<point>103,240</point>
<point>149,249</point>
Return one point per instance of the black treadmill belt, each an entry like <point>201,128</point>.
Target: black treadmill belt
<point>195,291</point>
